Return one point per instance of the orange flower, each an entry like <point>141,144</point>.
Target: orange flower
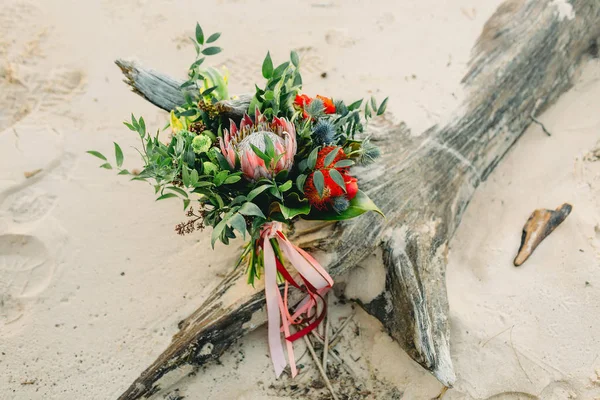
<point>328,104</point>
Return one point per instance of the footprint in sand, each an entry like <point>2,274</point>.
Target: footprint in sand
<point>31,93</point>
<point>26,270</point>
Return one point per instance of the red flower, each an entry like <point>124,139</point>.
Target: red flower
<point>328,104</point>
<point>331,189</point>
<point>351,186</point>
<point>302,100</point>
<point>323,154</point>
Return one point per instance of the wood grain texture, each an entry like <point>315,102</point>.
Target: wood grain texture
<point>525,58</point>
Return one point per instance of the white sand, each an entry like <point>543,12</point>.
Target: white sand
<point>93,280</point>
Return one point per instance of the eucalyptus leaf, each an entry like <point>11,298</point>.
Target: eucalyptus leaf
<point>312,158</point>
<point>106,166</point>
<point>300,182</point>
<point>211,51</point>
<point>330,157</point>
<point>344,163</point>
<point>319,182</point>
<point>382,106</point>
<point>337,178</point>
<point>295,59</point>
<point>97,154</point>
<point>166,196</point>
<point>213,37</point>
<point>355,105</point>
<point>199,34</point>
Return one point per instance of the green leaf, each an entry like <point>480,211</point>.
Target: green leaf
<point>196,45</point>
<point>166,196</point>
<point>131,127</point>
<point>297,80</point>
<point>267,67</point>
<point>319,182</point>
<point>312,158</point>
<point>134,122</point>
<point>382,106</point>
<point>220,178</point>
<point>239,223</point>
<point>186,204</point>
<point>251,209</point>
<point>97,154</point>
<point>185,176</point>
<point>302,165</point>
<point>213,37</point>
<point>279,70</point>
<point>337,178</point>
<point>286,186</point>
<point>330,156</point>
<point>358,205</point>
<point>344,163</point>
<point>368,113</point>
<point>194,177</point>
<point>295,59</point>
<point>142,130</point>
<point>269,147</point>
<point>178,190</point>
<point>106,166</point>
<point>300,182</point>
<point>123,172</point>
<point>291,212</point>
<point>118,154</point>
<point>187,113</point>
<point>275,192</point>
<point>260,154</point>
<point>216,233</point>
<point>211,51</point>
<point>355,105</point>
<point>256,191</point>
<point>269,95</point>
<point>232,179</point>
<point>197,63</point>
<point>373,103</point>
<point>199,34</point>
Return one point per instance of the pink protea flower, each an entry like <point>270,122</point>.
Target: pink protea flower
<point>236,143</point>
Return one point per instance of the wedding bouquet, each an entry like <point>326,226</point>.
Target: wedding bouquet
<point>288,156</point>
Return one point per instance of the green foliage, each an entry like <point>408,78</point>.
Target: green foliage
<point>188,164</point>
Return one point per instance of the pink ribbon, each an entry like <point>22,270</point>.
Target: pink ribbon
<point>316,283</point>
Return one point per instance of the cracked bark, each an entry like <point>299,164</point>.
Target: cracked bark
<point>525,58</point>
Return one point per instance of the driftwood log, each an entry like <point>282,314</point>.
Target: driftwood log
<point>525,58</point>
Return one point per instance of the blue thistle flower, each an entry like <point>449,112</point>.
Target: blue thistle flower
<point>368,153</point>
<point>315,109</point>
<point>323,133</point>
<point>340,204</point>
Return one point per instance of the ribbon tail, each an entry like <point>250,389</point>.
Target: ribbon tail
<point>273,296</point>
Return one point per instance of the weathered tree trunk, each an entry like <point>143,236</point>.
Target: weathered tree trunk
<point>524,59</point>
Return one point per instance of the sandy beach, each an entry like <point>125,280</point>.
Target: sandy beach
<point>94,280</point>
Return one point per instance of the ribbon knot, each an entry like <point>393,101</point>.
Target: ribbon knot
<point>316,282</point>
